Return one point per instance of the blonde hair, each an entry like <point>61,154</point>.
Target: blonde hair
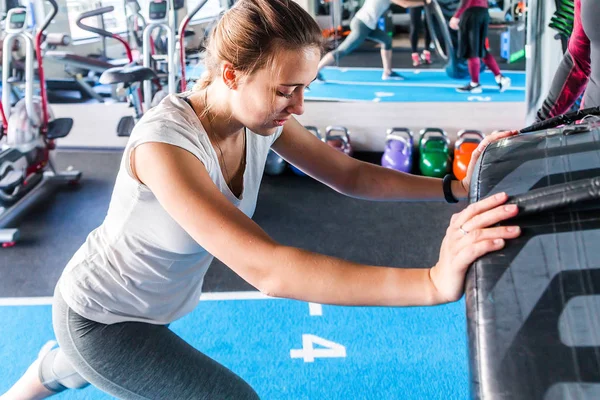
<point>250,34</point>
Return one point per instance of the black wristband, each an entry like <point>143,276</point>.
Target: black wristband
<point>447,187</point>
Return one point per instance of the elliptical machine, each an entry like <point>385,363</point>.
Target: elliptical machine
<point>26,167</point>
<point>160,16</point>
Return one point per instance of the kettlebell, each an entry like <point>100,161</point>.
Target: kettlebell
<point>434,147</point>
<point>340,142</point>
<point>398,150</point>
<point>315,131</point>
<point>274,165</point>
<point>468,140</point>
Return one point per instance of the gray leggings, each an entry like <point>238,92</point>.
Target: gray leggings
<point>133,360</point>
<point>359,32</point>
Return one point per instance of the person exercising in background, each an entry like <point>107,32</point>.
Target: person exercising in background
<point>471,20</point>
<point>577,66</point>
<point>364,26</point>
<point>416,25</point>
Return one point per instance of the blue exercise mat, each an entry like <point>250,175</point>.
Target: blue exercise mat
<point>420,85</point>
<point>284,352</point>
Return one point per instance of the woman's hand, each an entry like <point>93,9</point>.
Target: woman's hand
<point>466,183</point>
<point>454,22</point>
<point>471,235</point>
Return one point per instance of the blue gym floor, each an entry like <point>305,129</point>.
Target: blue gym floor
<point>420,85</point>
<point>367,353</point>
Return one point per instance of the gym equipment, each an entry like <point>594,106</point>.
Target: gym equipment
<point>135,22</point>
<point>512,42</point>
<point>158,17</point>
<point>128,76</point>
<point>182,34</point>
<point>398,149</point>
<point>315,131</point>
<point>563,21</point>
<point>564,119</point>
<point>467,142</point>
<point>434,147</point>
<point>159,14</point>
<point>339,142</point>
<point>26,168</point>
<point>83,70</point>
<point>438,29</point>
<point>275,165</point>
<point>532,307</point>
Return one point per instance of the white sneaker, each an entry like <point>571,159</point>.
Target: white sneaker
<point>503,83</point>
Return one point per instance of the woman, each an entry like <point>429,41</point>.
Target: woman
<point>364,26</point>
<point>416,23</point>
<point>577,66</point>
<point>471,20</point>
<point>185,192</point>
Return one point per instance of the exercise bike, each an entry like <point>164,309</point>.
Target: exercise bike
<point>160,13</point>
<point>29,129</point>
<point>129,77</point>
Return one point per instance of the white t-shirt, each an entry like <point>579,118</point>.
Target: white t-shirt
<point>371,11</point>
<point>140,265</point>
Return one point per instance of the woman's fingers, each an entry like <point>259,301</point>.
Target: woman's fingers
<point>479,235</point>
<point>490,217</point>
<point>467,255</point>
<point>477,208</point>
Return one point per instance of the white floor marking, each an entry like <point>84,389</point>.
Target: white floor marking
<point>315,309</point>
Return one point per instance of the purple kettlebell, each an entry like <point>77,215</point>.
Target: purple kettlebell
<point>398,150</point>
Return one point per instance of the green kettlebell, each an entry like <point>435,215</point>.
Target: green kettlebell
<point>434,147</point>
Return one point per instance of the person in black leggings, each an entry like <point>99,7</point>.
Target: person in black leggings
<point>471,19</point>
<point>416,25</point>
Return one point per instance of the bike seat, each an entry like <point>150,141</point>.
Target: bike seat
<point>127,74</point>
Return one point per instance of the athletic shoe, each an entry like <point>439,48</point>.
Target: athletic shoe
<point>392,76</point>
<point>416,60</point>
<point>470,88</point>
<point>426,56</point>
<point>503,82</point>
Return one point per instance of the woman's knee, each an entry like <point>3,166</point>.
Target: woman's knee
<point>387,44</point>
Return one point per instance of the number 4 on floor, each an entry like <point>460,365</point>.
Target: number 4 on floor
<point>328,349</point>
